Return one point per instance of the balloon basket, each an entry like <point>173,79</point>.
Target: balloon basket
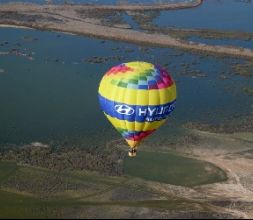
<point>132,153</point>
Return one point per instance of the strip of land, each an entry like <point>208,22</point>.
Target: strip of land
<point>73,19</point>
<point>121,7</point>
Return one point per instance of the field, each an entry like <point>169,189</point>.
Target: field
<point>172,186</point>
<point>28,192</point>
<point>173,169</point>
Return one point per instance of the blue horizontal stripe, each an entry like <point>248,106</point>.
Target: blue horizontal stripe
<point>138,113</point>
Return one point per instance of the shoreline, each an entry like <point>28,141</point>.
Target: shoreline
<point>15,26</point>
<point>136,37</point>
<point>122,7</point>
<point>71,19</point>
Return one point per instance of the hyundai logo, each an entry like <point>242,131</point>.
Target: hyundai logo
<point>124,109</point>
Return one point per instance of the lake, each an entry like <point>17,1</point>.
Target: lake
<point>234,15</point>
<point>49,83</point>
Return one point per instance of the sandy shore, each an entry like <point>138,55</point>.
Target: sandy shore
<point>13,26</point>
<point>71,19</point>
<point>233,154</point>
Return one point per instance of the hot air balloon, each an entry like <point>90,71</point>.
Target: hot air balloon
<point>137,97</point>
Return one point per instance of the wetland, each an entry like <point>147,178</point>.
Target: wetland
<point>59,157</point>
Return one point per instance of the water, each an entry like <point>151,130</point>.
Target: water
<point>129,20</point>
<point>222,15</point>
<point>173,169</point>
<point>54,96</point>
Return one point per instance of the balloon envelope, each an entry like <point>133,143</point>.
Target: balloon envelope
<point>137,97</point>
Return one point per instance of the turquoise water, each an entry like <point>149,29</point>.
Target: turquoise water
<point>48,90</point>
<point>233,15</point>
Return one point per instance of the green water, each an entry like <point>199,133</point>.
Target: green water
<point>173,169</point>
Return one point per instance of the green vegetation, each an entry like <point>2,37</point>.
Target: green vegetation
<point>20,206</point>
<point>13,205</point>
<point>72,159</point>
<point>244,69</point>
<point>248,91</point>
<point>173,169</point>
<point>32,192</point>
<point>6,170</point>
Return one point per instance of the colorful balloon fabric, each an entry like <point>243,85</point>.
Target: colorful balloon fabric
<point>136,98</point>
